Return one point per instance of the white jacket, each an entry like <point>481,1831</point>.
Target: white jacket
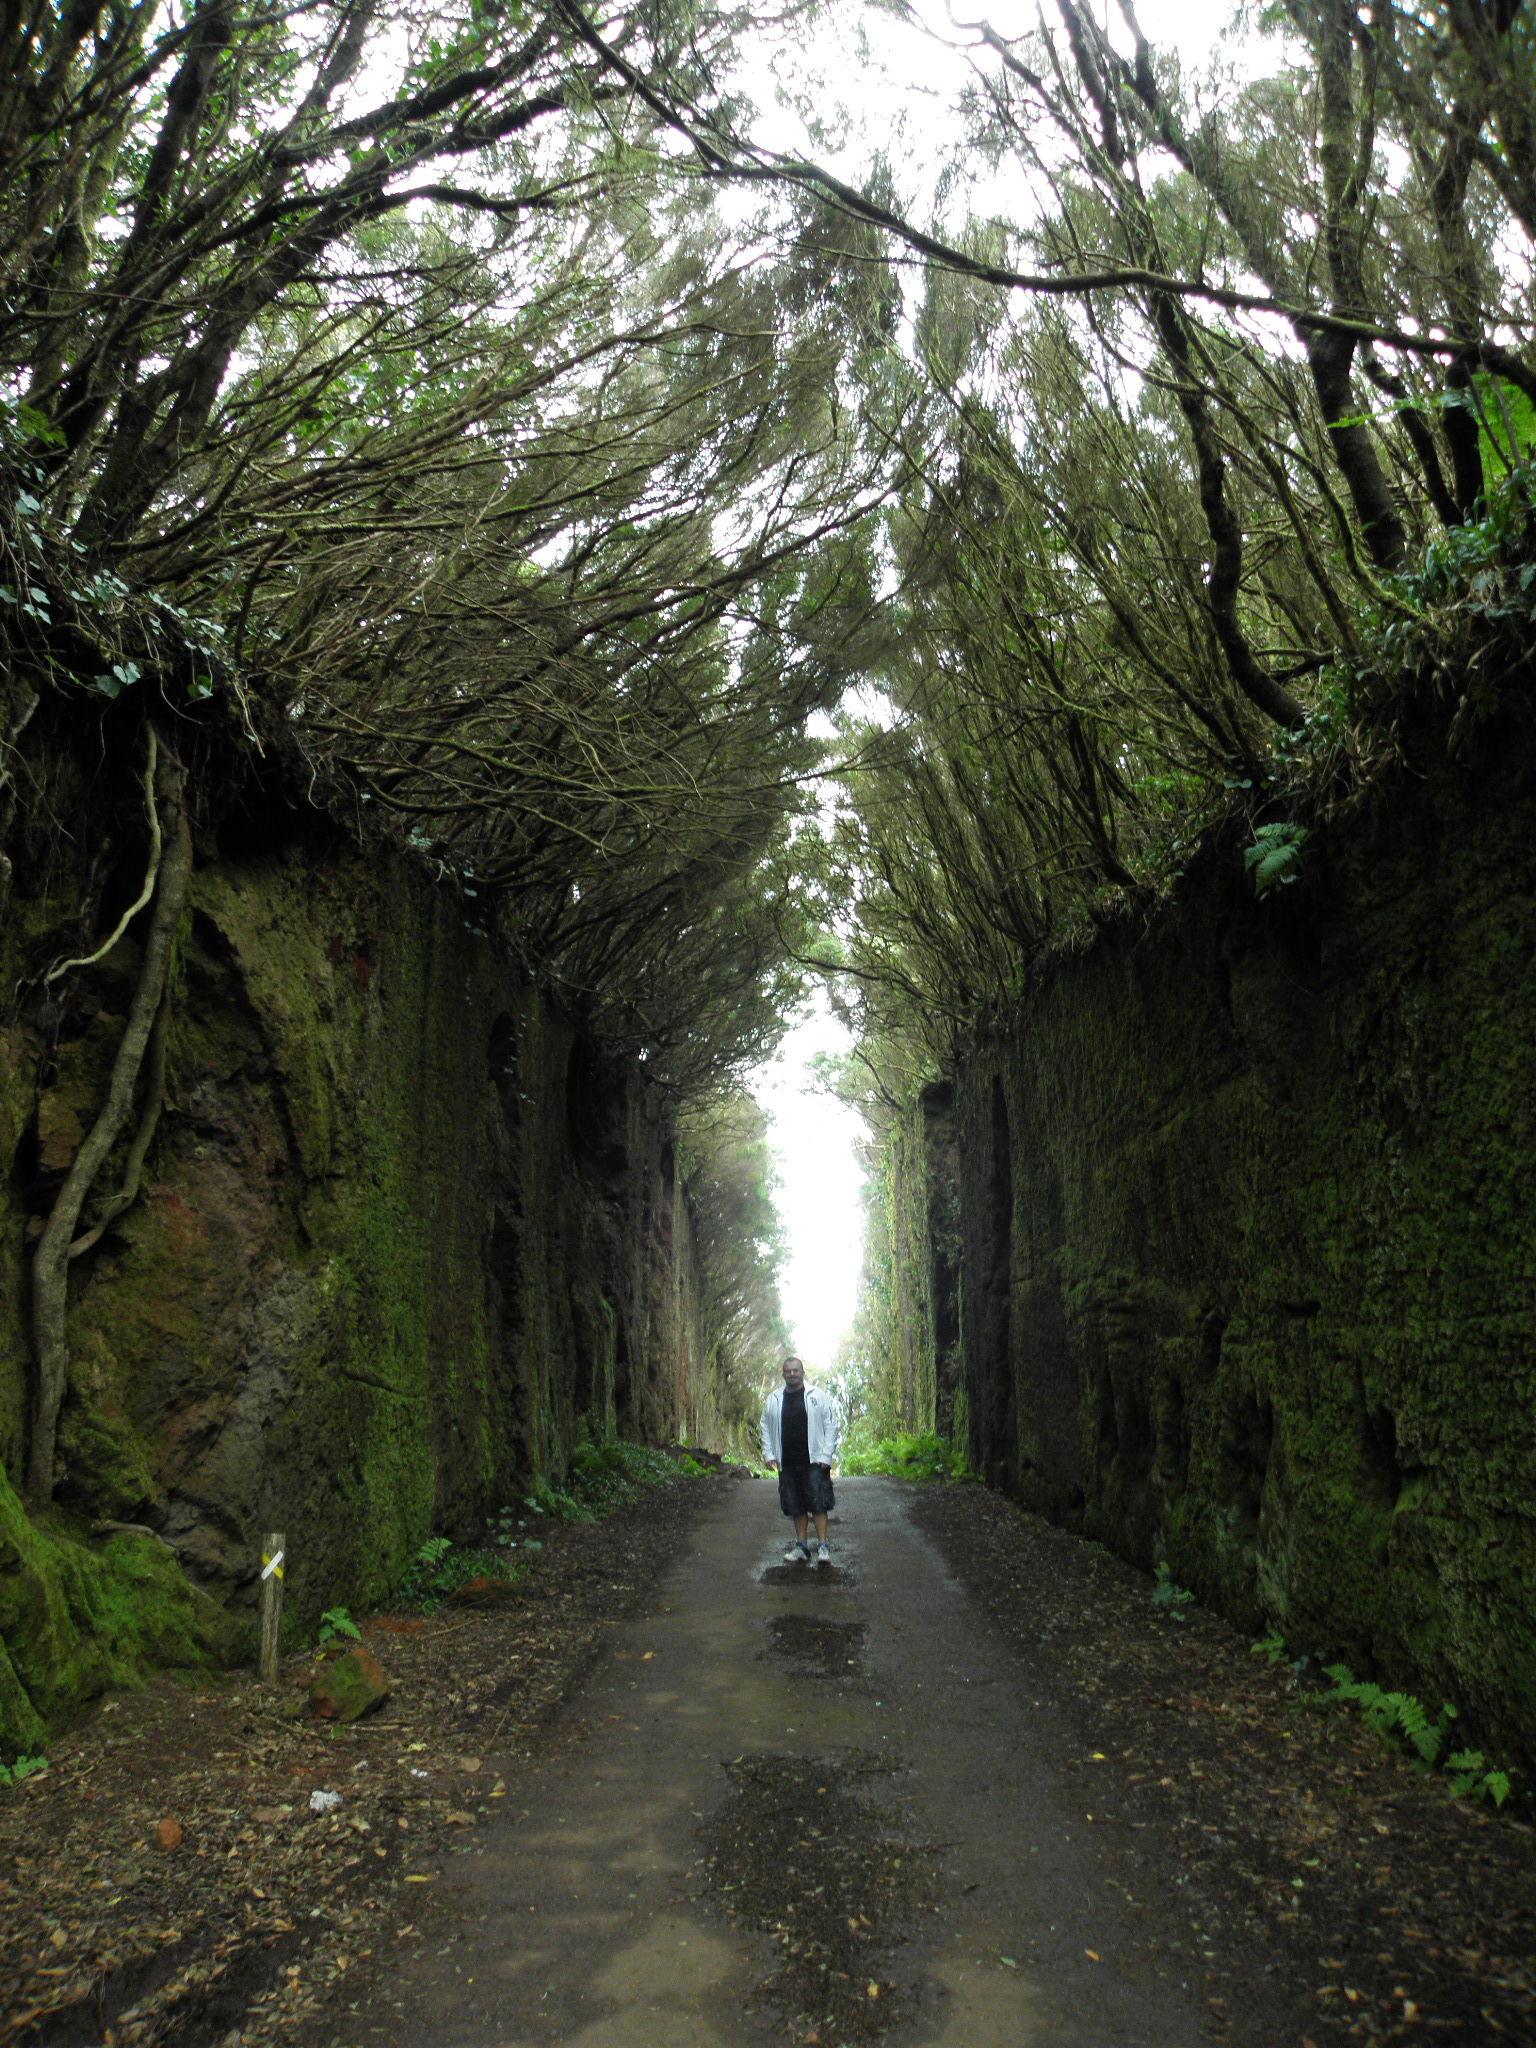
<point>820,1424</point>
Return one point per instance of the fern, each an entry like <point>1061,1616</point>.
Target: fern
<point>1469,1773</point>
<point>335,1623</point>
<point>1393,1715</point>
<point>1415,1723</point>
<point>1400,1716</point>
<point>1275,855</point>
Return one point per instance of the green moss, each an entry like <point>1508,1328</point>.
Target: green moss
<point>896,1311</point>
<point>346,1304</point>
<point>77,1620</point>
<point>1270,1246</point>
<point>281,951</point>
<point>105,1462</point>
<point>393,1410</point>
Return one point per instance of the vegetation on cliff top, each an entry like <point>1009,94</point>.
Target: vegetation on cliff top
<point>478,402</point>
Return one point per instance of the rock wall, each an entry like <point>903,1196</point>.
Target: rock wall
<point>908,1317</point>
<point>405,1234</point>
<point>1249,1270</point>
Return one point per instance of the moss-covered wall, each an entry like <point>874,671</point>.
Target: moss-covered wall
<point>907,1332</point>
<point>1249,1256</point>
<point>405,1233</point>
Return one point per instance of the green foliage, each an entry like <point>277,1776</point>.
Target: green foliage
<point>1506,421</point>
<point>1168,1597</point>
<point>891,1373</point>
<point>1396,1717</point>
<point>336,1623</point>
<point>923,1455</point>
<point>1399,1717</point>
<point>1174,794</point>
<point>557,1503</point>
<point>1482,566</point>
<point>603,1479</point>
<point>1471,592</point>
<point>1395,1714</point>
<point>1275,855</point>
<point>1273,1648</point>
<point>22,1767</point>
<point>435,1576</point>
<point>607,1477</point>
<point>729,1171</point>
<point>434,1573</point>
<point>587,451</point>
<point>1472,1777</point>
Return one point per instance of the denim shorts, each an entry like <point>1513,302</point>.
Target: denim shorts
<point>805,1490</point>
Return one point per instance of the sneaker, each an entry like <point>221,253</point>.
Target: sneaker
<point>798,1553</point>
<point>823,1554</point>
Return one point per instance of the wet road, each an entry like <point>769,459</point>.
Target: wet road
<point>582,1920</point>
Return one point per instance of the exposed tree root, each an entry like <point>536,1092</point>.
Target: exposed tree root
<point>142,1039</point>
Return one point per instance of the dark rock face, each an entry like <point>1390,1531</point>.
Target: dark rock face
<point>403,1236</point>
<point>1248,1277</point>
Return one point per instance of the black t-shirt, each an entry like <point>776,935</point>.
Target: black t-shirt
<point>794,1429</point>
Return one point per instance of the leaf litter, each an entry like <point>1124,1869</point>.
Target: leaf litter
<point>259,1925</point>
<point>1332,1890</point>
<point>1316,1886</point>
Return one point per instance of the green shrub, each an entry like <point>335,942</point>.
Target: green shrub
<point>1397,1714</point>
<point>606,1477</point>
<point>903,1456</point>
<point>603,1479</point>
<point>1275,855</point>
<point>441,1566</point>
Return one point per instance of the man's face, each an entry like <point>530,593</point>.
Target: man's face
<point>794,1374</point>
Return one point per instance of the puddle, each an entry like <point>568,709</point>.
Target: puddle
<point>824,1577</point>
<point>827,1649</point>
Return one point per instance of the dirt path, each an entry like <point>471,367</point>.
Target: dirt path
<point>875,1704</point>
<point>968,1784</point>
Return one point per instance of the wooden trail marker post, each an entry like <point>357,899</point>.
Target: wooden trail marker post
<point>271,1607</point>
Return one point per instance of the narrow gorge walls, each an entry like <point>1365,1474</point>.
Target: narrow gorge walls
<point>404,1233</point>
<point>1249,1262</point>
<point>908,1322</point>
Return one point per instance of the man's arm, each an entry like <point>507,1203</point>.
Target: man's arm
<point>829,1408</point>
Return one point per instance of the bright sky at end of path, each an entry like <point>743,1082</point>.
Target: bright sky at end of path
<point>820,1192</point>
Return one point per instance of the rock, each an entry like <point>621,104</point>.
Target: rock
<point>59,1131</point>
<point>101,1530</point>
<point>168,1835</point>
<point>485,1592</point>
<point>348,1686</point>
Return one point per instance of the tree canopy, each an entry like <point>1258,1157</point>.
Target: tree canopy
<point>374,368</point>
<point>1202,425</point>
<point>470,399</point>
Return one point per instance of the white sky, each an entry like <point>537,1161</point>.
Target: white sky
<point>820,1193</point>
<point>897,89</point>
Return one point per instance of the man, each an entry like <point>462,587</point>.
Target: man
<point>800,1443</point>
